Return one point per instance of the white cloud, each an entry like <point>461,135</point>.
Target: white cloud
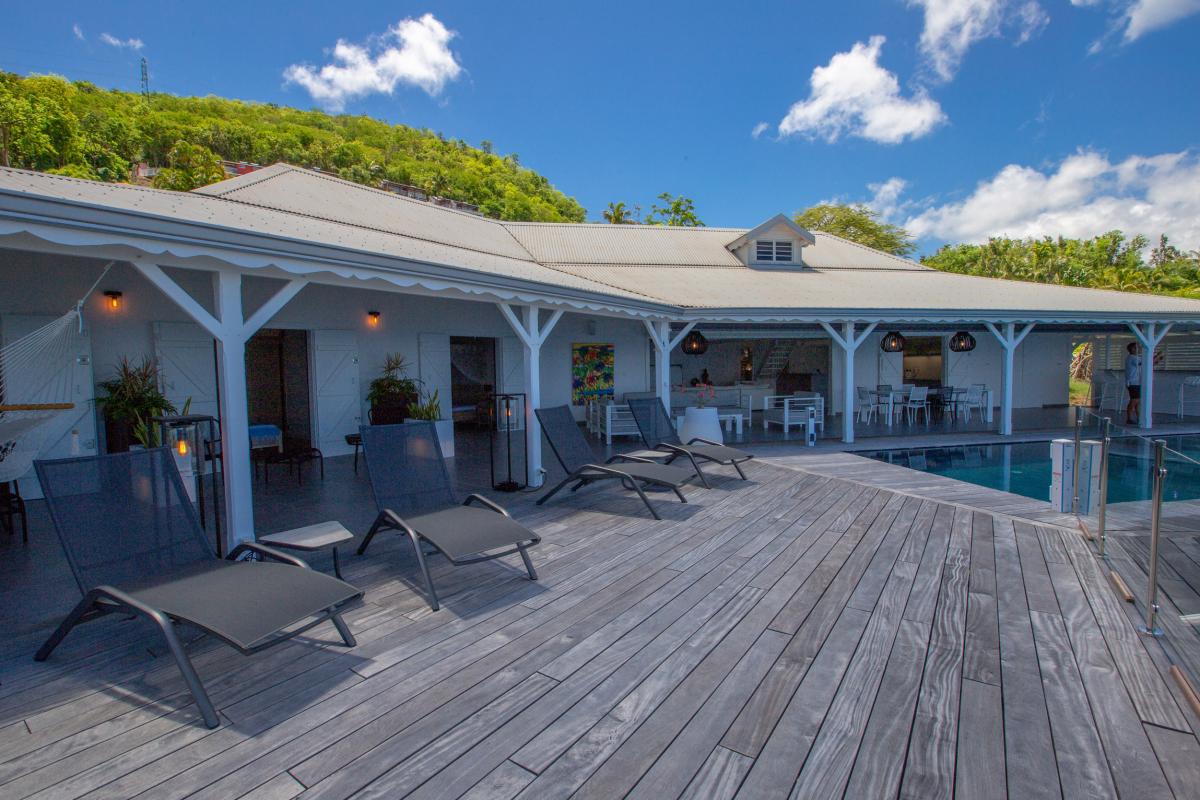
<point>1144,16</point>
<point>760,129</point>
<point>132,43</point>
<point>1133,19</point>
<point>952,26</point>
<point>1085,195</point>
<point>885,197</point>
<point>853,95</point>
<point>414,52</point>
<point>78,31</point>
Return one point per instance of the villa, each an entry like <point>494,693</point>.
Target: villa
<point>828,627</point>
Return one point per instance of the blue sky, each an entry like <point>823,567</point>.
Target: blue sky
<point>959,118</point>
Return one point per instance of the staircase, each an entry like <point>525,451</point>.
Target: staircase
<point>776,360</point>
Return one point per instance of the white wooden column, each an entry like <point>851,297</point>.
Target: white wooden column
<point>1150,334</point>
<point>1009,337</point>
<point>231,330</point>
<point>849,342</point>
<point>664,343</point>
<point>533,334</point>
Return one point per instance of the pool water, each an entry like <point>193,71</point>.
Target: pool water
<point>1024,467</point>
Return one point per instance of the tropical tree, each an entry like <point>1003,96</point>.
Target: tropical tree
<point>192,166</point>
<point>618,214</point>
<point>858,224</point>
<point>678,211</point>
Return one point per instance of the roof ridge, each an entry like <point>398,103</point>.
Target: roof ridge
<point>608,225</point>
<point>861,246</point>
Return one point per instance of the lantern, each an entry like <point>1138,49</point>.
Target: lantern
<point>694,344</point>
<point>508,412</point>
<point>114,300</point>
<point>892,343</point>
<point>746,367</point>
<point>962,342</point>
<point>373,319</point>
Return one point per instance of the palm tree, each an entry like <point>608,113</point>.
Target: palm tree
<point>618,214</point>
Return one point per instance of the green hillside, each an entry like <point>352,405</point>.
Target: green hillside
<point>76,128</point>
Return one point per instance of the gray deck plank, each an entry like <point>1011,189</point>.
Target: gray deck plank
<point>504,782</point>
<point>719,777</point>
<point>929,767</point>
<point>776,767</point>
<point>1080,755</point>
<point>827,769</point>
<point>880,762</point>
<point>682,764</point>
<point>1131,758</point>
<point>1031,769</point>
<point>1179,755</point>
<point>981,767</point>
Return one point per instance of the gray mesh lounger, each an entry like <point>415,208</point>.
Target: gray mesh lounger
<point>413,493</point>
<point>135,546</point>
<point>576,457</point>
<point>659,434</point>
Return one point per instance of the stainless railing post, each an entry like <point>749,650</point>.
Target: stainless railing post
<point>1075,461</point>
<point>1101,512</point>
<point>1160,473</point>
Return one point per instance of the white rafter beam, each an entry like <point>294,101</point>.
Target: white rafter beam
<point>175,292</point>
<point>272,307</point>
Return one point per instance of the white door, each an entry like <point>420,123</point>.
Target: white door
<point>187,366</point>
<point>433,365</point>
<point>81,418</point>
<point>336,398</point>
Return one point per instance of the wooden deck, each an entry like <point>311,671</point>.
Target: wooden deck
<point>798,635</point>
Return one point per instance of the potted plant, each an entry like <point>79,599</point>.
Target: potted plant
<point>391,394</point>
<point>430,410</point>
<point>132,400</point>
<point>701,420</point>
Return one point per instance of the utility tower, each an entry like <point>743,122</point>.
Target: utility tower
<point>145,79</point>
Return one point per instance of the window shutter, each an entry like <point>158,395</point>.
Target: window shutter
<point>783,251</point>
<point>764,251</point>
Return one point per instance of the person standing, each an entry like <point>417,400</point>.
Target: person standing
<point>1133,383</point>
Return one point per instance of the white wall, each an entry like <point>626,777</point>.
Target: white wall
<point>44,284</point>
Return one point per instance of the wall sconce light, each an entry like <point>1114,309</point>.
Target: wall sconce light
<point>114,300</point>
<point>181,441</point>
<point>373,319</point>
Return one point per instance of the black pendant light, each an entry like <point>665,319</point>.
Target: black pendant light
<point>962,342</point>
<point>892,343</point>
<point>694,344</point>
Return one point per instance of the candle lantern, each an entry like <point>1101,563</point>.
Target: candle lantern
<point>506,447</point>
<point>185,436</point>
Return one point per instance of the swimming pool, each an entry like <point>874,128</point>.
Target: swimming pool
<point>1024,467</point>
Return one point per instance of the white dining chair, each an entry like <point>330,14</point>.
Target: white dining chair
<point>867,405</point>
<point>918,401</point>
<point>974,399</point>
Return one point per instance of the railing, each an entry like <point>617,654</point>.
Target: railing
<point>1146,472</point>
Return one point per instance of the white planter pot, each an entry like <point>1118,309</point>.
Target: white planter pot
<point>445,434</point>
<point>700,423</point>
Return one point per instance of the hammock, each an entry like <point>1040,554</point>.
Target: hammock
<point>37,379</point>
<point>36,386</point>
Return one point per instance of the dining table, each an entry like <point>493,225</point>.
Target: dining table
<point>890,399</point>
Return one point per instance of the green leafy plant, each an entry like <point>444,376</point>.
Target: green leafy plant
<point>133,398</point>
<point>430,409</point>
<point>393,385</point>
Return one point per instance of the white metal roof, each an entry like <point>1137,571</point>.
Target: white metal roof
<point>689,269</point>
